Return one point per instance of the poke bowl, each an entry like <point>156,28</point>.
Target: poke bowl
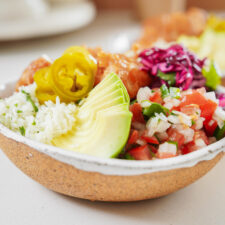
<point>93,178</point>
<point>115,127</point>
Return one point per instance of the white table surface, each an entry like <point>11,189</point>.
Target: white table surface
<point>25,202</point>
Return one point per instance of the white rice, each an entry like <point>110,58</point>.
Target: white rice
<point>51,120</point>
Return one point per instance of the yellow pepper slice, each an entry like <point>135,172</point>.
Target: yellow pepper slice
<point>44,96</point>
<point>44,90</point>
<point>72,75</point>
<point>41,77</point>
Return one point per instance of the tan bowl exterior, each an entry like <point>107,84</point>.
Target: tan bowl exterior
<point>68,180</point>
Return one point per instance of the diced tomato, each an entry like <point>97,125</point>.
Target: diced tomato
<point>194,98</point>
<point>190,147</point>
<point>174,135</point>
<point>210,127</point>
<point>208,109</point>
<point>200,134</point>
<point>140,153</point>
<point>137,113</point>
<point>177,108</point>
<point>133,137</point>
<point>156,97</point>
<point>153,149</point>
<point>190,109</point>
<point>164,155</point>
<point>151,140</point>
<point>207,106</point>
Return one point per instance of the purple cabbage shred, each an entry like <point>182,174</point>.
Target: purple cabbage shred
<point>177,60</point>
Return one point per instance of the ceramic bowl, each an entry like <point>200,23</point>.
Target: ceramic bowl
<point>92,178</point>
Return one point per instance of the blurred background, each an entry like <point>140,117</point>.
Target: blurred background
<point>30,28</point>
<point>21,19</point>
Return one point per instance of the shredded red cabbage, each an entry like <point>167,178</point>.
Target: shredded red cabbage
<point>177,60</point>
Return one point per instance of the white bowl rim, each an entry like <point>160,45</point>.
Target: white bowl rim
<point>116,166</point>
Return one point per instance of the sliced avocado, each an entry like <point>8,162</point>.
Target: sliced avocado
<point>108,80</point>
<point>99,140</point>
<point>92,118</point>
<point>113,95</point>
<point>84,113</point>
<point>103,121</point>
<point>111,82</point>
<point>115,87</point>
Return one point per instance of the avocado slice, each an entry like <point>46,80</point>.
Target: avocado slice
<point>103,121</point>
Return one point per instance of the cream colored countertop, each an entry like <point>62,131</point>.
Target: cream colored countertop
<point>25,202</point>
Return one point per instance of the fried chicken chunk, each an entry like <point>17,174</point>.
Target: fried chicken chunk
<point>127,68</point>
<point>28,74</point>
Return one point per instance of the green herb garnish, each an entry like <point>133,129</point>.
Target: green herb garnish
<point>164,91</point>
<point>128,156</point>
<point>212,76</point>
<point>28,98</point>
<point>133,101</point>
<point>19,111</point>
<point>219,132</point>
<point>155,108</point>
<point>22,131</point>
<point>34,123</point>
<point>169,77</point>
<point>172,92</point>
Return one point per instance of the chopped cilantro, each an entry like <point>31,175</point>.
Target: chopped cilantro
<point>164,91</point>
<point>192,122</point>
<point>133,101</point>
<point>169,77</point>
<point>172,91</point>
<point>16,104</point>
<point>28,98</point>
<point>3,114</point>
<point>152,154</point>
<point>128,156</point>
<point>155,108</point>
<point>34,123</point>
<point>22,131</point>
<point>219,132</point>
<point>19,111</point>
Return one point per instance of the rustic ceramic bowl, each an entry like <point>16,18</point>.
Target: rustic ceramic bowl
<point>88,177</point>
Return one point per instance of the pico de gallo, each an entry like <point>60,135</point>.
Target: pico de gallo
<point>168,122</point>
<point>178,112</point>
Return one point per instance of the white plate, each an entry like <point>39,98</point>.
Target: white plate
<point>59,19</point>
